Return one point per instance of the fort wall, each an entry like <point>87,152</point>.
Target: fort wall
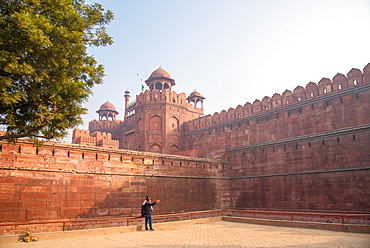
<point>327,172</point>
<point>63,181</point>
<point>325,106</point>
<point>304,150</point>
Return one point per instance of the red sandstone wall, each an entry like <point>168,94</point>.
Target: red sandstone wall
<point>67,181</point>
<point>304,150</point>
<point>320,174</point>
<point>315,108</point>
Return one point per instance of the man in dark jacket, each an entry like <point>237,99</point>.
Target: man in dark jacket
<point>148,206</point>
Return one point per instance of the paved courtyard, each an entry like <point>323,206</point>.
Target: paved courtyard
<point>213,234</point>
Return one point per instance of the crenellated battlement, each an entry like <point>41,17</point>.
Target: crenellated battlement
<point>81,136</point>
<point>99,139</point>
<point>105,140</point>
<point>165,95</point>
<point>312,90</point>
<point>106,124</point>
<point>161,96</point>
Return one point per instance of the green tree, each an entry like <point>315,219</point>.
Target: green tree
<point>46,73</point>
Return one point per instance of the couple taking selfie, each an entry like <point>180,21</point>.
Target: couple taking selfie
<point>146,210</point>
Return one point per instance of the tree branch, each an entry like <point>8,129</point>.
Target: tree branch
<point>29,133</point>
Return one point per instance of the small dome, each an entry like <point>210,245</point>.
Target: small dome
<point>160,79</point>
<point>196,93</point>
<point>159,73</point>
<point>195,97</point>
<point>108,106</point>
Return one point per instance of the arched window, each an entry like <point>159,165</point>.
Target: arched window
<point>174,124</point>
<point>155,123</point>
<point>140,125</point>
<point>158,86</point>
<point>174,148</point>
<point>155,148</point>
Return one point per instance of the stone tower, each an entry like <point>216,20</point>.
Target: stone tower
<point>157,115</point>
<point>107,122</point>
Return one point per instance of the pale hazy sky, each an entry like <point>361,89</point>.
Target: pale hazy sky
<point>231,51</point>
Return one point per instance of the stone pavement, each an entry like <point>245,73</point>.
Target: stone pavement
<point>212,234</point>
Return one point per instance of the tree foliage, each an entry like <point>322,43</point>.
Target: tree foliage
<point>46,73</point>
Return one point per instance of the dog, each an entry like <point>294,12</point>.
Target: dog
<point>28,238</point>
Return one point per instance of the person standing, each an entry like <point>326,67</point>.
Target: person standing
<point>148,206</point>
